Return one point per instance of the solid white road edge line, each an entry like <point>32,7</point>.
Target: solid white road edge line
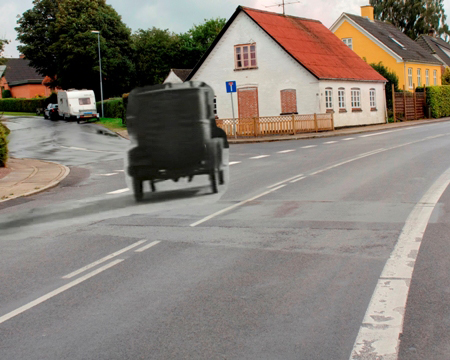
<point>285,180</point>
<point>57,291</point>
<point>209,217</point>
<point>148,246</point>
<point>294,181</point>
<point>102,260</point>
<point>379,333</point>
<point>380,133</point>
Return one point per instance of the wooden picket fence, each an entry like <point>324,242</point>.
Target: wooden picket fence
<point>408,106</point>
<point>277,125</point>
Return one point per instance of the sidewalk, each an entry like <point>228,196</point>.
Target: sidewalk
<point>30,176</point>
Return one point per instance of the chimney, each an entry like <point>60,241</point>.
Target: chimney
<point>367,11</point>
<point>431,32</point>
<point>22,56</point>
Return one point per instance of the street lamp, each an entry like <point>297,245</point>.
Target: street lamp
<point>100,62</point>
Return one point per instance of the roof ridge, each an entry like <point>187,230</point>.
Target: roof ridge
<point>277,14</point>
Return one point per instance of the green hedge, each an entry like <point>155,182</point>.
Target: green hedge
<point>21,105</point>
<point>4,131</point>
<point>113,108</point>
<point>438,99</point>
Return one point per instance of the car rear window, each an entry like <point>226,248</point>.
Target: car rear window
<point>84,101</point>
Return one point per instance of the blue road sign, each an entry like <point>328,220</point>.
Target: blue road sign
<point>231,86</point>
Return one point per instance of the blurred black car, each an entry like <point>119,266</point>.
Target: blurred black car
<point>51,112</point>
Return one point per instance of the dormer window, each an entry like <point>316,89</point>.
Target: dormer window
<point>245,56</point>
<point>397,42</point>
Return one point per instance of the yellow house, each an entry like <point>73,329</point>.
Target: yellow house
<point>377,41</point>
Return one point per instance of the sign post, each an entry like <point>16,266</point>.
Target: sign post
<point>231,88</point>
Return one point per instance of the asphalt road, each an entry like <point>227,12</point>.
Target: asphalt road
<point>281,264</point>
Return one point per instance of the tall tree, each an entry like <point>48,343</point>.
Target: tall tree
<point>413,17</point>
<point>3,42</point>
<point>57,38</point>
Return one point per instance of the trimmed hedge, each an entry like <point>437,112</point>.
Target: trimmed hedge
<point>4,131</point>
<point>438,99</point>
<point>21,105</point>
<point>113,108</point>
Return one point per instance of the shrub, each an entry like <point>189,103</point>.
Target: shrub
<point>6,94</point>
<point>4,131</point>
<point>21,105</point>
<point>113,108</point>
<point>438,99</point>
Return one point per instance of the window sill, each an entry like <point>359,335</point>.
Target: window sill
<point>342,110</point>
<point>373,109</point>
<point>356,110</point>
<point>289,113</point>
<point>249,68</point>
<point>330,111</point>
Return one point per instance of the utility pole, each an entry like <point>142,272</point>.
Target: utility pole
<point>283,4</point>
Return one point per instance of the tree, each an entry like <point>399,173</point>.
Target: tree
<point>446,76</point>
<point>58,41</point>
<point>196,41</point>
<point>413,17</point>
<point>392,79</point>
<point>155,52</point>
<point>2,47</point>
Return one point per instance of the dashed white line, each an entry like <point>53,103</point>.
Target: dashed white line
<point>102,260</point>
<point>300,178</point>
<point>90,150</point>
<point>259,157</point>
<point>120,191</point>
<point>347,139</point>
<point>57,291</point>
<point>284,181</point>
<point>330,142</point>
<point>234,163</point>
<point>110,174</point>
<point>209,217</point>
<point>380,133</point>
<point>119,170</point>
<point>148,246</point>
<point>285,151</point>
<point>308,146</point>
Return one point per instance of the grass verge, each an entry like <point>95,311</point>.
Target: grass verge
<point>113,124</point>
<point>19,113</point>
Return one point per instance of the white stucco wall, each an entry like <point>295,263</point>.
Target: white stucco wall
<point>349,118</point>
<point>172,78</point>
<point>276,71</point>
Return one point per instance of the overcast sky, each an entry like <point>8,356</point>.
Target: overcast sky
<point>179,15</point>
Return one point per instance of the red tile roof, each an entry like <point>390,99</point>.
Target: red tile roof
<point>314,46</point>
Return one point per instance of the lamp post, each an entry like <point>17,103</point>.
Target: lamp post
<point>100,63</point>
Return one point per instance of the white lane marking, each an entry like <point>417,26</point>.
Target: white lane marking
<point>120,170</point>
<point>294,181</point>
<point>209,217</point>
<point>259,157</point>
<point>110,174</point>
<point>347,139</point>
<point>118,191</point>
<point>380,133</point>
<point>103,259</point>
<point>308,146</point>
<point>286,180</point>
<point>284,151</point>
<point>89,150</point>
<point>57,291</point>
<point>148,246</point>
<point>330,142</point>
<point>379,333</point>
<point>234,162</point>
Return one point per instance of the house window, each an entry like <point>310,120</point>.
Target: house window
<point>245,56</point>
<point>348,42</point>
<point>427,77</point>
<point>435,77</point>
<point>373,102</point>
<point>410,79</point>
<point>419,77</point>
<point>288,101</point>
<point>356,99</point>
<point>329,99</point>
<point>341,99</point>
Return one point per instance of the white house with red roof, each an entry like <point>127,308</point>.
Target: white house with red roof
<point>285,65</point>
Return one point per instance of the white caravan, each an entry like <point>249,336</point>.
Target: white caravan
<point>77,104</point>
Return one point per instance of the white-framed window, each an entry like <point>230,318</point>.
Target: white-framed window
<point>348,42</point>
<point>410,79</point>
<point>427,77</point>
<point>329,98</point>
<point>245,56</point>
<point>434,77</point>
<point>373,99</point>
<point>341,98</point>
<point>419,77</point>
<point>356,98</point>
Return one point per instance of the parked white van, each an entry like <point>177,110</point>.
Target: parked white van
<point>77,104</point>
